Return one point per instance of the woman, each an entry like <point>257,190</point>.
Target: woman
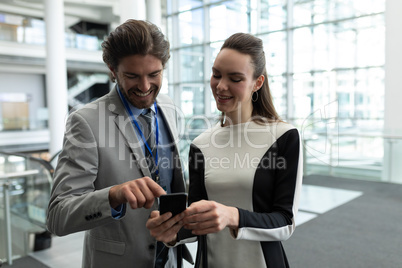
<point>245,173</point>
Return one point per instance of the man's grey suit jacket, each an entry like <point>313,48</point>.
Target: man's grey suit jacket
<point>101,149</point>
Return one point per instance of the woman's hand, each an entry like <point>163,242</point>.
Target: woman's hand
<point>205,217</point>
<point>164,227</point>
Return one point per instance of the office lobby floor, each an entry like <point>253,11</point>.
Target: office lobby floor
<point>364,232</point>
<point>67,252</point>
<point>331,220</point>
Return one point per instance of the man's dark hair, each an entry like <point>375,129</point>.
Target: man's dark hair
<point>135,37</point>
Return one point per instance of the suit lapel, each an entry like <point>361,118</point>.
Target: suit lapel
<point>126,128</point>
<point>168,112</point>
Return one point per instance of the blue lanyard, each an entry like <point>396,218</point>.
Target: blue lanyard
<point>126,105</point>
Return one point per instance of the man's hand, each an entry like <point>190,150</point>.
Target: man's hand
<point>205,217</point>
<point>138,193</point>
<point>163,227</point>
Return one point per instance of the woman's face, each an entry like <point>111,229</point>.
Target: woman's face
<point>232,84</point>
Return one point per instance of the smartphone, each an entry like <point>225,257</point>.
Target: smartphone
<point>174,203</point>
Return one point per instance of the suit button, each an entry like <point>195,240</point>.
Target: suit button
<point>151,247</point>
<point>87,218</point>
<point>99,214</point>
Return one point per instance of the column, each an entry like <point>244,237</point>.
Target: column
<point>130,9</point>
<point>154,12</point>
<point>392,170</point>
<point>56,73</point>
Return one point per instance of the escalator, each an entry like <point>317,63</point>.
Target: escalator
<point>84,88</point>
<point>25,185</point>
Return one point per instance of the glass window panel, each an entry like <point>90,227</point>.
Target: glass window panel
<point>340,9</point>
<point>320,49</point>
<point>312,93</point>
<point>278,88</point>
<point>340,45</point>
<point>214,1</point>
<point>227,20</point>
<point>361,103</point>
<point>343,47</point>
<point>362,7</point>
<point>312,49</point>
<point>170,66</point>
<point>164,88</point>
<point>357,42</point>
<point>214,110</point>
<point>192,100</point>
<point>275,52</point>
<point>370,43</point>
<point>320,11</point>
<point>238,5</point>
<point>169,6</point>
<point>189,4</point>
<point>370,104</point>
<point>191,64</point>
<point>172,92</point>
<point>302,52</point>
<point>330,59</point>
<point>346,95</point>
<point>191,27</point>
<point>272,15</point>
<point>302,13</point>
<point>307,12</point>
<point>303,95</point>
<point>33,32</point>
<point>170,31</point>
<point>182,5</point>
<point>214,49</point>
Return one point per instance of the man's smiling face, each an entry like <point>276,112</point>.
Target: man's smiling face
<point>139,78</point>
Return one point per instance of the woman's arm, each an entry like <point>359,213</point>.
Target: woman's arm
<point>274,211</point>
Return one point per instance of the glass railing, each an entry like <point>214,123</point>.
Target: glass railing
<point>347,147</point>
<point>334,150</point>
<point>367,156</point>
<point>36,35</point>
<point>25,185</point>
<point>353,155</point>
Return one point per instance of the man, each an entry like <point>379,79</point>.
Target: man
<point>102,183</point>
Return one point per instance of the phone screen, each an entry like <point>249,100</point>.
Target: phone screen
<point>174,203</point>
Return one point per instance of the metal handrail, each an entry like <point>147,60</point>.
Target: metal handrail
<point>24,173</point>
<point>7,210</point>
<point>7,178</point>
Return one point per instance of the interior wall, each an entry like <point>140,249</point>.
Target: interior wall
<point>393,93</point>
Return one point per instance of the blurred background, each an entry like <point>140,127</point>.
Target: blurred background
<point>332,68</point>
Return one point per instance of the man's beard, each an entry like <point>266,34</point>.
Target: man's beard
<point>138,103</point>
